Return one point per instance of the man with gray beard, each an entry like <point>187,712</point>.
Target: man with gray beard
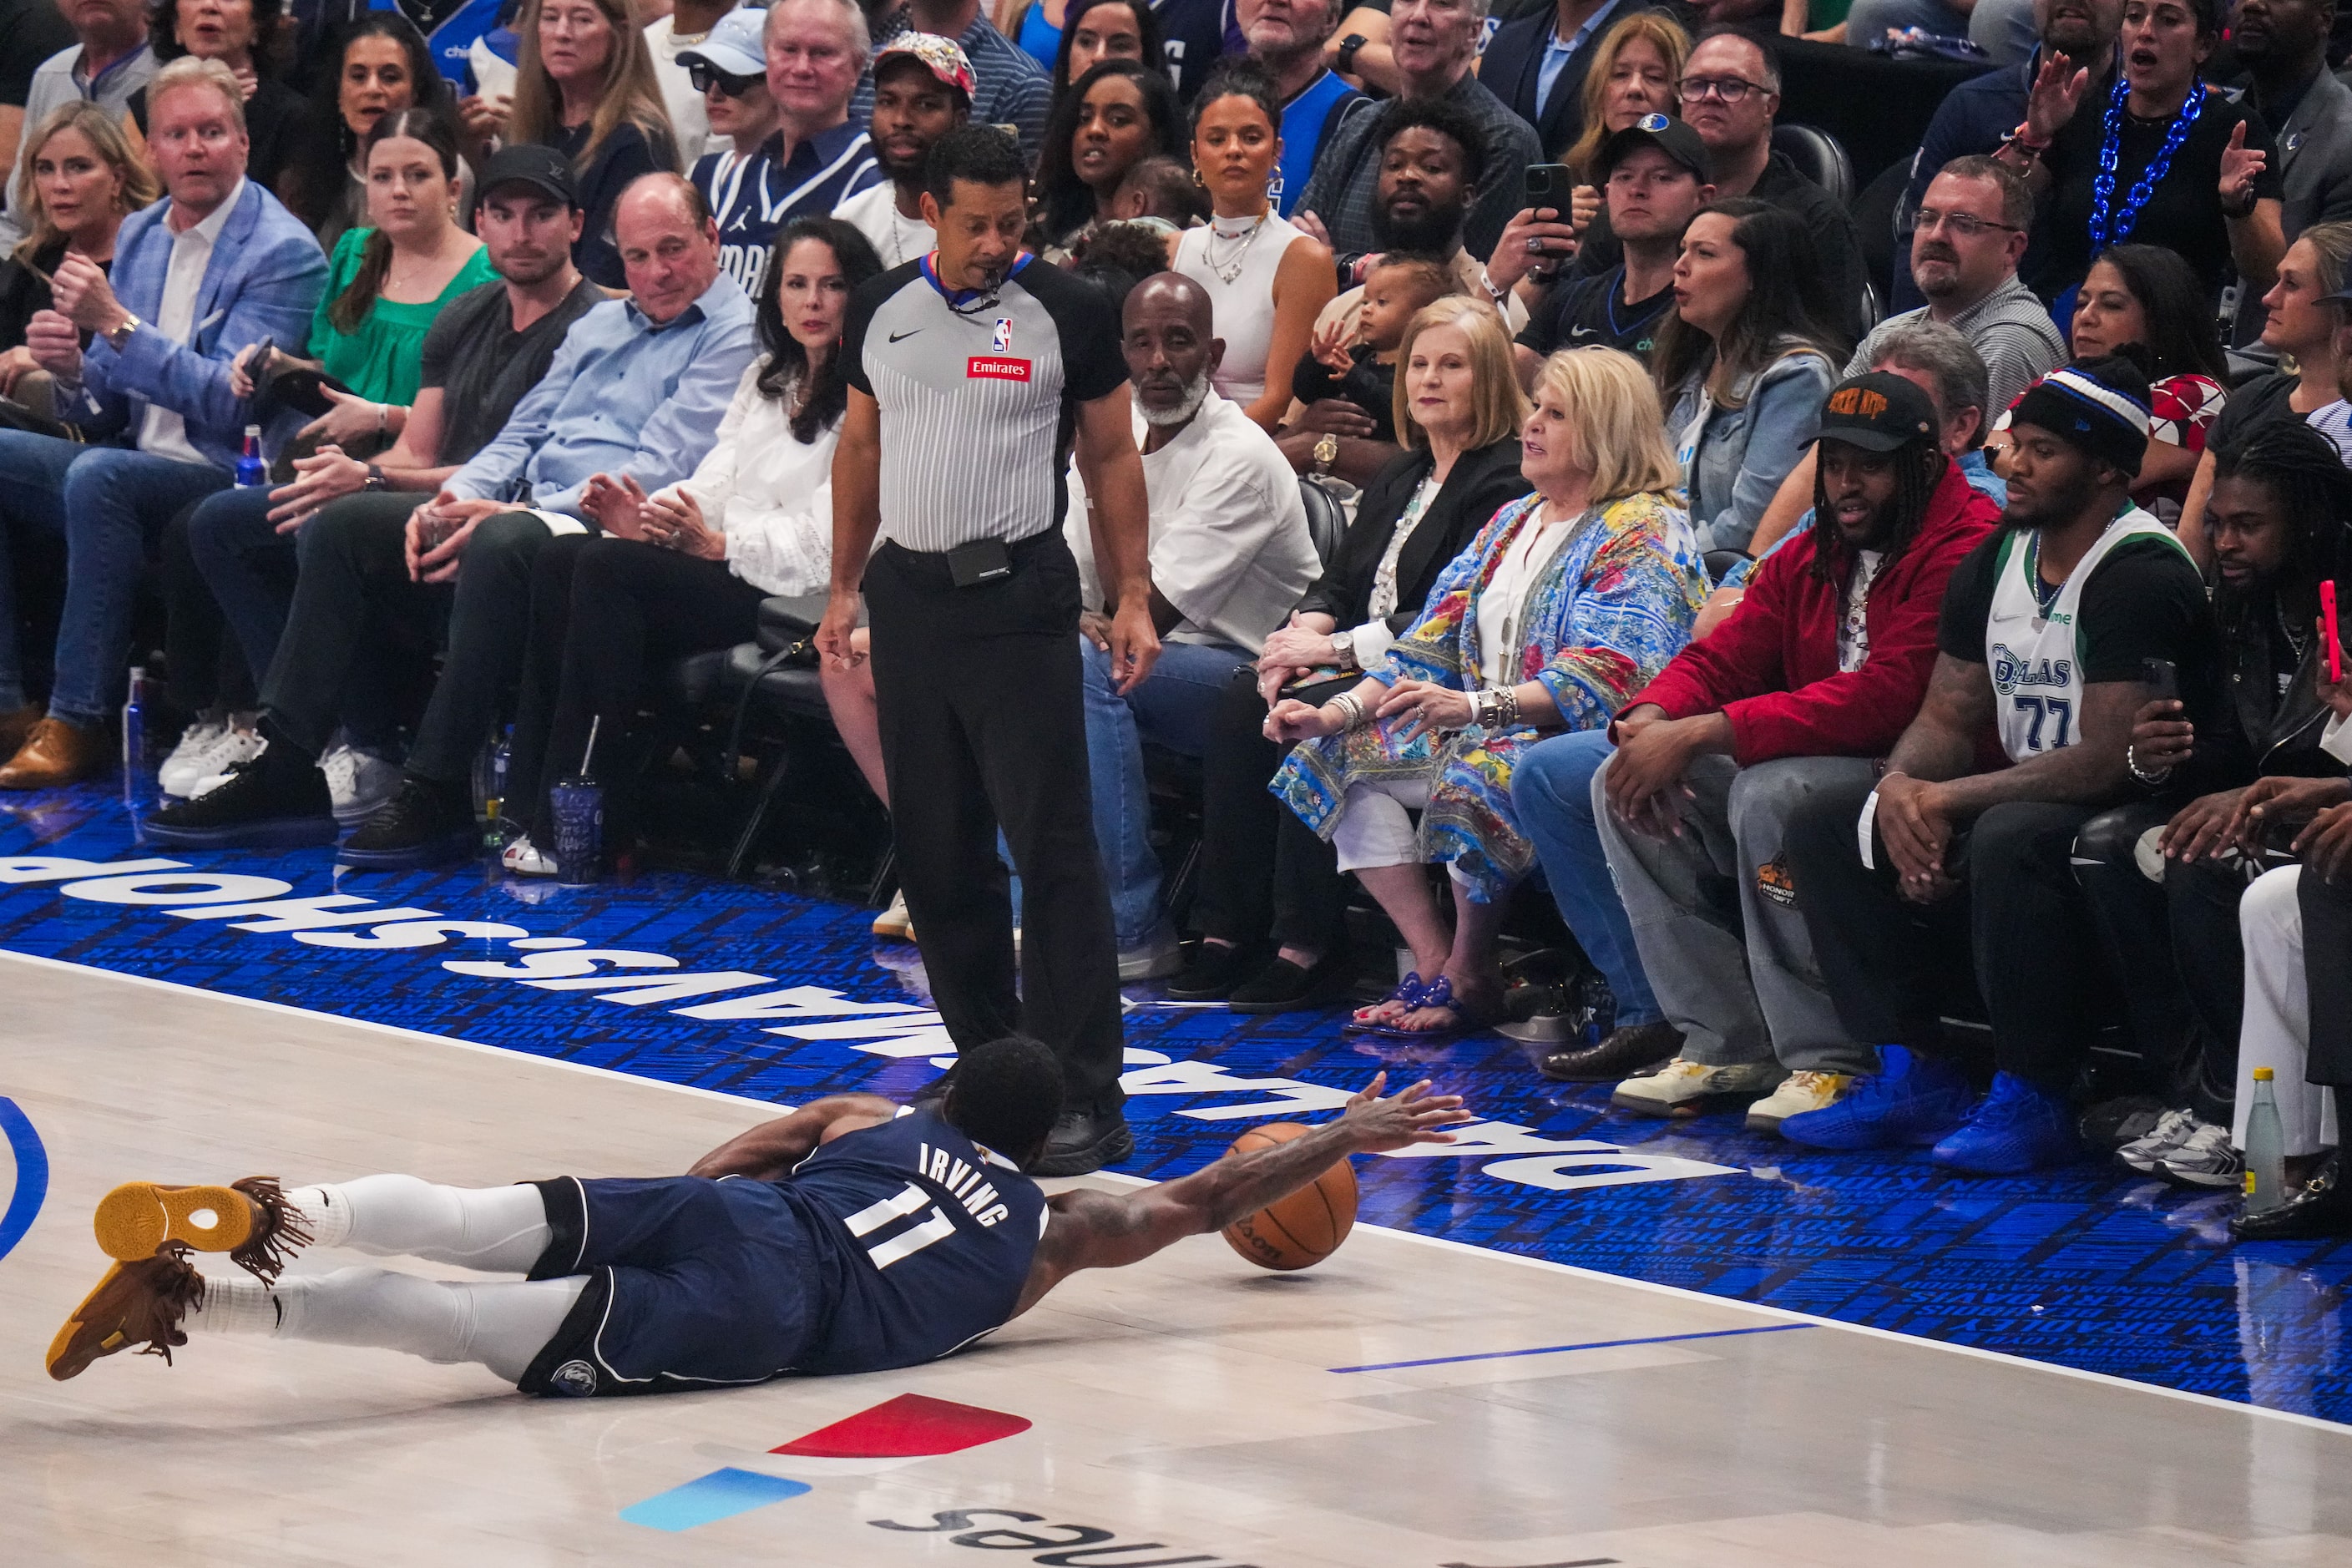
<point>1229,557</point>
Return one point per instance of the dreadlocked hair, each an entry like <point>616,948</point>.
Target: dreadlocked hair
<point>1918,470</point>
<point>2305,476</point>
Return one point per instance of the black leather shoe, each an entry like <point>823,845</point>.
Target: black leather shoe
<point>931,1096</point>
<point>2323,1208</point>
<point>1282,987</point>
<point>1084,1142</point>
<point>1623,1053</point>
<point>1209,974</point>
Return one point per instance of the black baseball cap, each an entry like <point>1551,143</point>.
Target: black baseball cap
<point>1668,135</point>
<point>1877,413</point>
<point>531,163</point>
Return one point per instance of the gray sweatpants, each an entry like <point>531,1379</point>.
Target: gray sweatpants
<point>1715,916</point>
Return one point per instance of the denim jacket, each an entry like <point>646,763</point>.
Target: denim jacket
<point>1744,453</point>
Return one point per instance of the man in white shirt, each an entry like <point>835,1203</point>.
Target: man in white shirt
<point>111,62</point>
<point>197,277</point>
<point>668,38</point>
<point>922,91</point>
<point>1230,556</point>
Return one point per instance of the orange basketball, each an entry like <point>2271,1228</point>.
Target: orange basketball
<point>1304,1228</point>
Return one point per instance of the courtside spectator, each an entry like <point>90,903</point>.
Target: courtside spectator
<point>1654,174</point>
<point>685,570</point>
<point>84,181</point>
<point>1008,86</point>
<point>729,64</point>
<point>380,66</point>
<point>815,49</point>
<point>1266,279</point>
<point>1116,116</point>
<point>671,355</point>
<point>112,60</point>
<point>1539,61</point>
<point>922,91</point>
<point>1364,372</point>
<point>585,85</point>
<point>1124,30</point>
<point>2044,637</point>
<point>238,34</point>
<point>198,278</point>
<point>668,39</point>
<point>1670,868</point>
<point>1744,360</point>
<point>1286,37</point>
<point>2154,159</point>
<point>2283,46</point>
<point>1436,44</point>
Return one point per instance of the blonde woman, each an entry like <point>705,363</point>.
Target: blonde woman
<point>585,86</point>
<point>80,178</point>
<point>1566,603</point>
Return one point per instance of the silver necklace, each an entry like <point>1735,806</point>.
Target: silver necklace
<point>1231,268</point>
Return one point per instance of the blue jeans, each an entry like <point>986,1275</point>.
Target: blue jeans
<point>249,566</point>
<point>1551,791</point>
<point>106,502</point>
<point>1171,708</point>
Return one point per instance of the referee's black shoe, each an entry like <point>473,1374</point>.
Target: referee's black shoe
<point>1084,1142</point>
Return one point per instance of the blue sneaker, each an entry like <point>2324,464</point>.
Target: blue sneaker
<point>1910,1100</point>
<point>2019,1128</point>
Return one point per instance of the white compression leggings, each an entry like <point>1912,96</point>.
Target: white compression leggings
<point>502,1324</point>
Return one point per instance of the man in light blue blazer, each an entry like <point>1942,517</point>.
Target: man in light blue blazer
<point>217,266</point>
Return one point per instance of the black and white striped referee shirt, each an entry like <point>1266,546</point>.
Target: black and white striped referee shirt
<point>978,396</point>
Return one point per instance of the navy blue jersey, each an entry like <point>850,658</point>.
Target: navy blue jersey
<point>923,1240</point>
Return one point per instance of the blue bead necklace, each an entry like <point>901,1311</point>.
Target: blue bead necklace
<point>2103,190</point>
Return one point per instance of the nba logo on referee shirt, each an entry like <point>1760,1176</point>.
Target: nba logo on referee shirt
<point>999,341</point>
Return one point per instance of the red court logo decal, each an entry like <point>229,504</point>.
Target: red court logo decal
<point>983,368</point>
<point>910,1425</point>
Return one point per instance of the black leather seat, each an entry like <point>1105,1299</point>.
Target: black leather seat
<point>1818,157</point>
<point>1327,519</point>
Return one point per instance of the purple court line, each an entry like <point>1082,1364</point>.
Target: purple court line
<point>1554,1350</point>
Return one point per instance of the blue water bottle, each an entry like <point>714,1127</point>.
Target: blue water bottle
<point>134,733</point>
<point>251,471</point>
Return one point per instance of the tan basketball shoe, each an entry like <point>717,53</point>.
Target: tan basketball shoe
<point>136,1303</point>
<point>249,1219</point>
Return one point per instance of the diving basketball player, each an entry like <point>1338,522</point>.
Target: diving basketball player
<point>851,1236</point>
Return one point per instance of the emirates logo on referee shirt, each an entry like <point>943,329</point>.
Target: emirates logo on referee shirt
<point>987,367</point>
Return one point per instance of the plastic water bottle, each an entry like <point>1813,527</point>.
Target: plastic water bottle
<point>134,733</point>
<point>251,470</point>
<point>2265,1148</point>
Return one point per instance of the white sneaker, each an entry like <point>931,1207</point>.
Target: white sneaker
<point>2171,1131</point>
<point>1683,1087</point>
<point>358,781</point>
<point>178,775</point>
<point>2203,1159</point>
<point>213,764</point>
<point>893,924</point>
<point>1798,1091</point>
<point>1156,957</point>
<point>526,859</point>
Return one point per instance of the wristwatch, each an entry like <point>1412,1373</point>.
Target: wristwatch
<point>1346,59</point>
<point>1327,452</point>
<point>117,337</point>
<point>1343,648</point>
<point>375,479</point>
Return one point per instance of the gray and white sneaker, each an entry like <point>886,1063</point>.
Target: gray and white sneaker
<point>179,773</point>
<point>358,781</point>
<point>2203,1159</point>
<point>189,772</point>
<point>2170,1131</point>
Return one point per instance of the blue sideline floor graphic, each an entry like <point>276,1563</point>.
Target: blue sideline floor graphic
<point>781,998</point>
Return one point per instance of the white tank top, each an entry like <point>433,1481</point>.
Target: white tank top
<point>1244,302</point>
<point>2034,657</point>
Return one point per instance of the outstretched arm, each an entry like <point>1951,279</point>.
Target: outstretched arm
<point>769,1152</point>
<point>1091,1229</point>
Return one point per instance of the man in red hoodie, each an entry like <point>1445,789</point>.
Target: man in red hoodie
<point>1811,679</point>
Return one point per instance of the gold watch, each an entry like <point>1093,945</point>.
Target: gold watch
<point>1327,452</point>
<point>116,337</point>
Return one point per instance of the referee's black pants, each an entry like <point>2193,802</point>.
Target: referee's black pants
<point>2021,918</point>
<point>982,727</point>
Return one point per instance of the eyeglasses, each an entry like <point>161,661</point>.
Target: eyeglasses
<point>705,76</point>
<point>1968,225</point>
<point>1730,89</point>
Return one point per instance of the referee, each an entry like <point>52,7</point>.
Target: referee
<point>971,371</point>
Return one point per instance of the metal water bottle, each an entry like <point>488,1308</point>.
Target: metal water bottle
<point>134,732</point>
<point>251,470</point>
<point>2265,1148</point>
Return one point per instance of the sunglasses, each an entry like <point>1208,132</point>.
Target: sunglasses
<point>705,76</point>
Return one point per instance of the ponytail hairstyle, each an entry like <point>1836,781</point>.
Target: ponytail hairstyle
<point>786,360</point>
<point>359,296</point>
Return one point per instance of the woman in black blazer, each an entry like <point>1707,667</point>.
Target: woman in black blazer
<point>1245,830</point>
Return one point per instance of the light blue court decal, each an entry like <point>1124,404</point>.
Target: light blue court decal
<point>706,1500</point>
<point>32,1181</point>
<point>1556,1349</point>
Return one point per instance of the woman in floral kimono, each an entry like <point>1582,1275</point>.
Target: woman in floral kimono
<point>1568,603</point>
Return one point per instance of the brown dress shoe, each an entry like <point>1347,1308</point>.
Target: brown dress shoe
<point>55,754</point>
<point>1624,1053</point>
<point>15,727</point>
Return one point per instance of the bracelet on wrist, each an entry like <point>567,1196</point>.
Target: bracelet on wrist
<point>2147,778</point>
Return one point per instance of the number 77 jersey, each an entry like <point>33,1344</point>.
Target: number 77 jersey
<point>2032,652</point>
<point>923,1242</point>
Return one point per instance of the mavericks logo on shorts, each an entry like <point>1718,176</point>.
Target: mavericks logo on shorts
<point>985,367</point>
<point>576,1378</point>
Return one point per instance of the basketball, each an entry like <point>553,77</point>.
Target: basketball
<point>1304,1228</point>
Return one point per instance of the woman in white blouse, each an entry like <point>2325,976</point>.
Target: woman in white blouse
<point>684,570</point>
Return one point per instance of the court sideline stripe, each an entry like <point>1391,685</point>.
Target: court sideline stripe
<point>1677,1292</point>
<point>1556,1349</point>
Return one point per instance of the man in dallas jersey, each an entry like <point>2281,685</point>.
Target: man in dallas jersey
<point>2050,635</point>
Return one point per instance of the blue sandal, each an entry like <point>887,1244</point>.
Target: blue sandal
<point>1408,992</point>
<point>1438,993</point>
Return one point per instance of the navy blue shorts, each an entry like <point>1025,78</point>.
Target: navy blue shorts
<point>692,1283</point>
